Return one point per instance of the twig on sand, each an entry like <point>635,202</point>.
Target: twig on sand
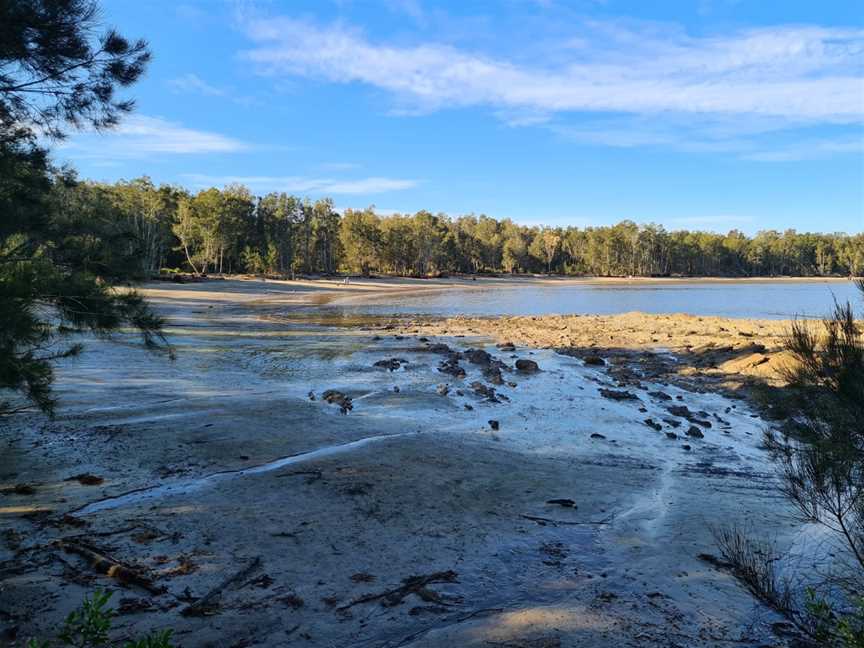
<point>460,619</point>
<point>543,520</point>
<point>109,566</point>
<point>411,585</point>
<point>207,603</point>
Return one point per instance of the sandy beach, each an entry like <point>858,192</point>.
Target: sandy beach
<point>395,483</point>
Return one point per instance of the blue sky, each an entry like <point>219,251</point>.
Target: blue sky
<point>704,114</point>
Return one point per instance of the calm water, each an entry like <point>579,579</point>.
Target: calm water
<point>750,299</point>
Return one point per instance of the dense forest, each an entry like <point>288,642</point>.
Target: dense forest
<point>231,230</point>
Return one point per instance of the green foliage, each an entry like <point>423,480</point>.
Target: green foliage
<point>830,627</point>
<point>229,230</point>
<point>64,245</point>
<point>89,626</point>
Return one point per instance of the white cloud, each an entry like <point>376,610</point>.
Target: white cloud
<point>306,184</point>
<point>142,136</point>
<point>192,83</point>
<point>799,74</point>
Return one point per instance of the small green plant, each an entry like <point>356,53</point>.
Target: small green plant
<point>89,625</point>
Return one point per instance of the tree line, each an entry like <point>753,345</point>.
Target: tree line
<point>230,230</point>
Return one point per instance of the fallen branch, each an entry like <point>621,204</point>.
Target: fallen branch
<point>206,604</point>
<point>110,567</point>
<point>411,585</point>
<point>543,520</point>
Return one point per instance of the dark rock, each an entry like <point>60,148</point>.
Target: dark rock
<point>653,424</point>
<point>566,502</point>
<point>469,407</point>
<point>507,347</point>
<point>478,356</point>
<point>694,432</point>
<point>595,435</point>
<point>335,397</point>
<point>673,422</point>
<point>685,447</point>
<point>659,395</point>
<point>493,424</point>
<point>439,348</point>
<point>423,339</point>
<point>487,392</point>
<point>680,410</point>
<point>443,390</point>
<point>594,361</point>
<point>643,409</point>
<point>493,375</point>
<point>391,364</point>
<point>451,366</point>
<point>527,366</point>
<point>671,435</point>
<point>618,395</point>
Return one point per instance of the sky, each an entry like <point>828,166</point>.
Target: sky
<point>694,114</point>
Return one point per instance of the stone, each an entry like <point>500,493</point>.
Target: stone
<point>494,424</point>
<point>618,395</point>
<point>527,366</point>
<point>694,432</point>
<point>594,361</point>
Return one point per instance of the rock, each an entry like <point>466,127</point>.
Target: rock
<point>566,502</point>
<point>643,410</point>
<point>594,361</point>
<point>396,388</point>
<point>686,447</point>
<point>439,348</point>
<point>680,410</point>
<point>653,424</point>
<point>423,339</point>
<point>507,347</point>
<point>451,366</point>
<point>493,424</point>
<point>312,395</point>
<point>478,357</point>
<point>86,479</point>
<point>335,397</point>
<point>487,392</point>
<point>694,432</point>
<point>377,338</point>
<point>673,422</point>
<point>595,435</point>
<point>659,395</point>
<point>493,375</point>
<point>527,366</point>
<point>391,365</point>
<point>443,389</point>
<point>671,435</point>
<point>618,395</point>
<point>23,489</point>
<point>469,407</point>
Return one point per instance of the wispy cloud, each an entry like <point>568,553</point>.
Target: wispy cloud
<point>801,74</point>
<point>192,83</point>
<point>306,184</point>
<point>142,136</point>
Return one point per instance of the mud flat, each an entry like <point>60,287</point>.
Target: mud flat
<point>369,485</point>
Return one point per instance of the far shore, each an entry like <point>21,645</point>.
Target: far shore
<point>324,290</point>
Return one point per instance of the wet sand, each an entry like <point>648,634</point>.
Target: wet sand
<point>437,531</point>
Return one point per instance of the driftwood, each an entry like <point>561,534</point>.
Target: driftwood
<point>110,567</point>
<point>544,520</point>
<point>411,585</point>
<point>207,603</point>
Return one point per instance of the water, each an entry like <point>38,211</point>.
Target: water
<point>745,299</point>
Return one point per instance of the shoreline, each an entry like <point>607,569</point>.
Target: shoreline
<point>212,438</point>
